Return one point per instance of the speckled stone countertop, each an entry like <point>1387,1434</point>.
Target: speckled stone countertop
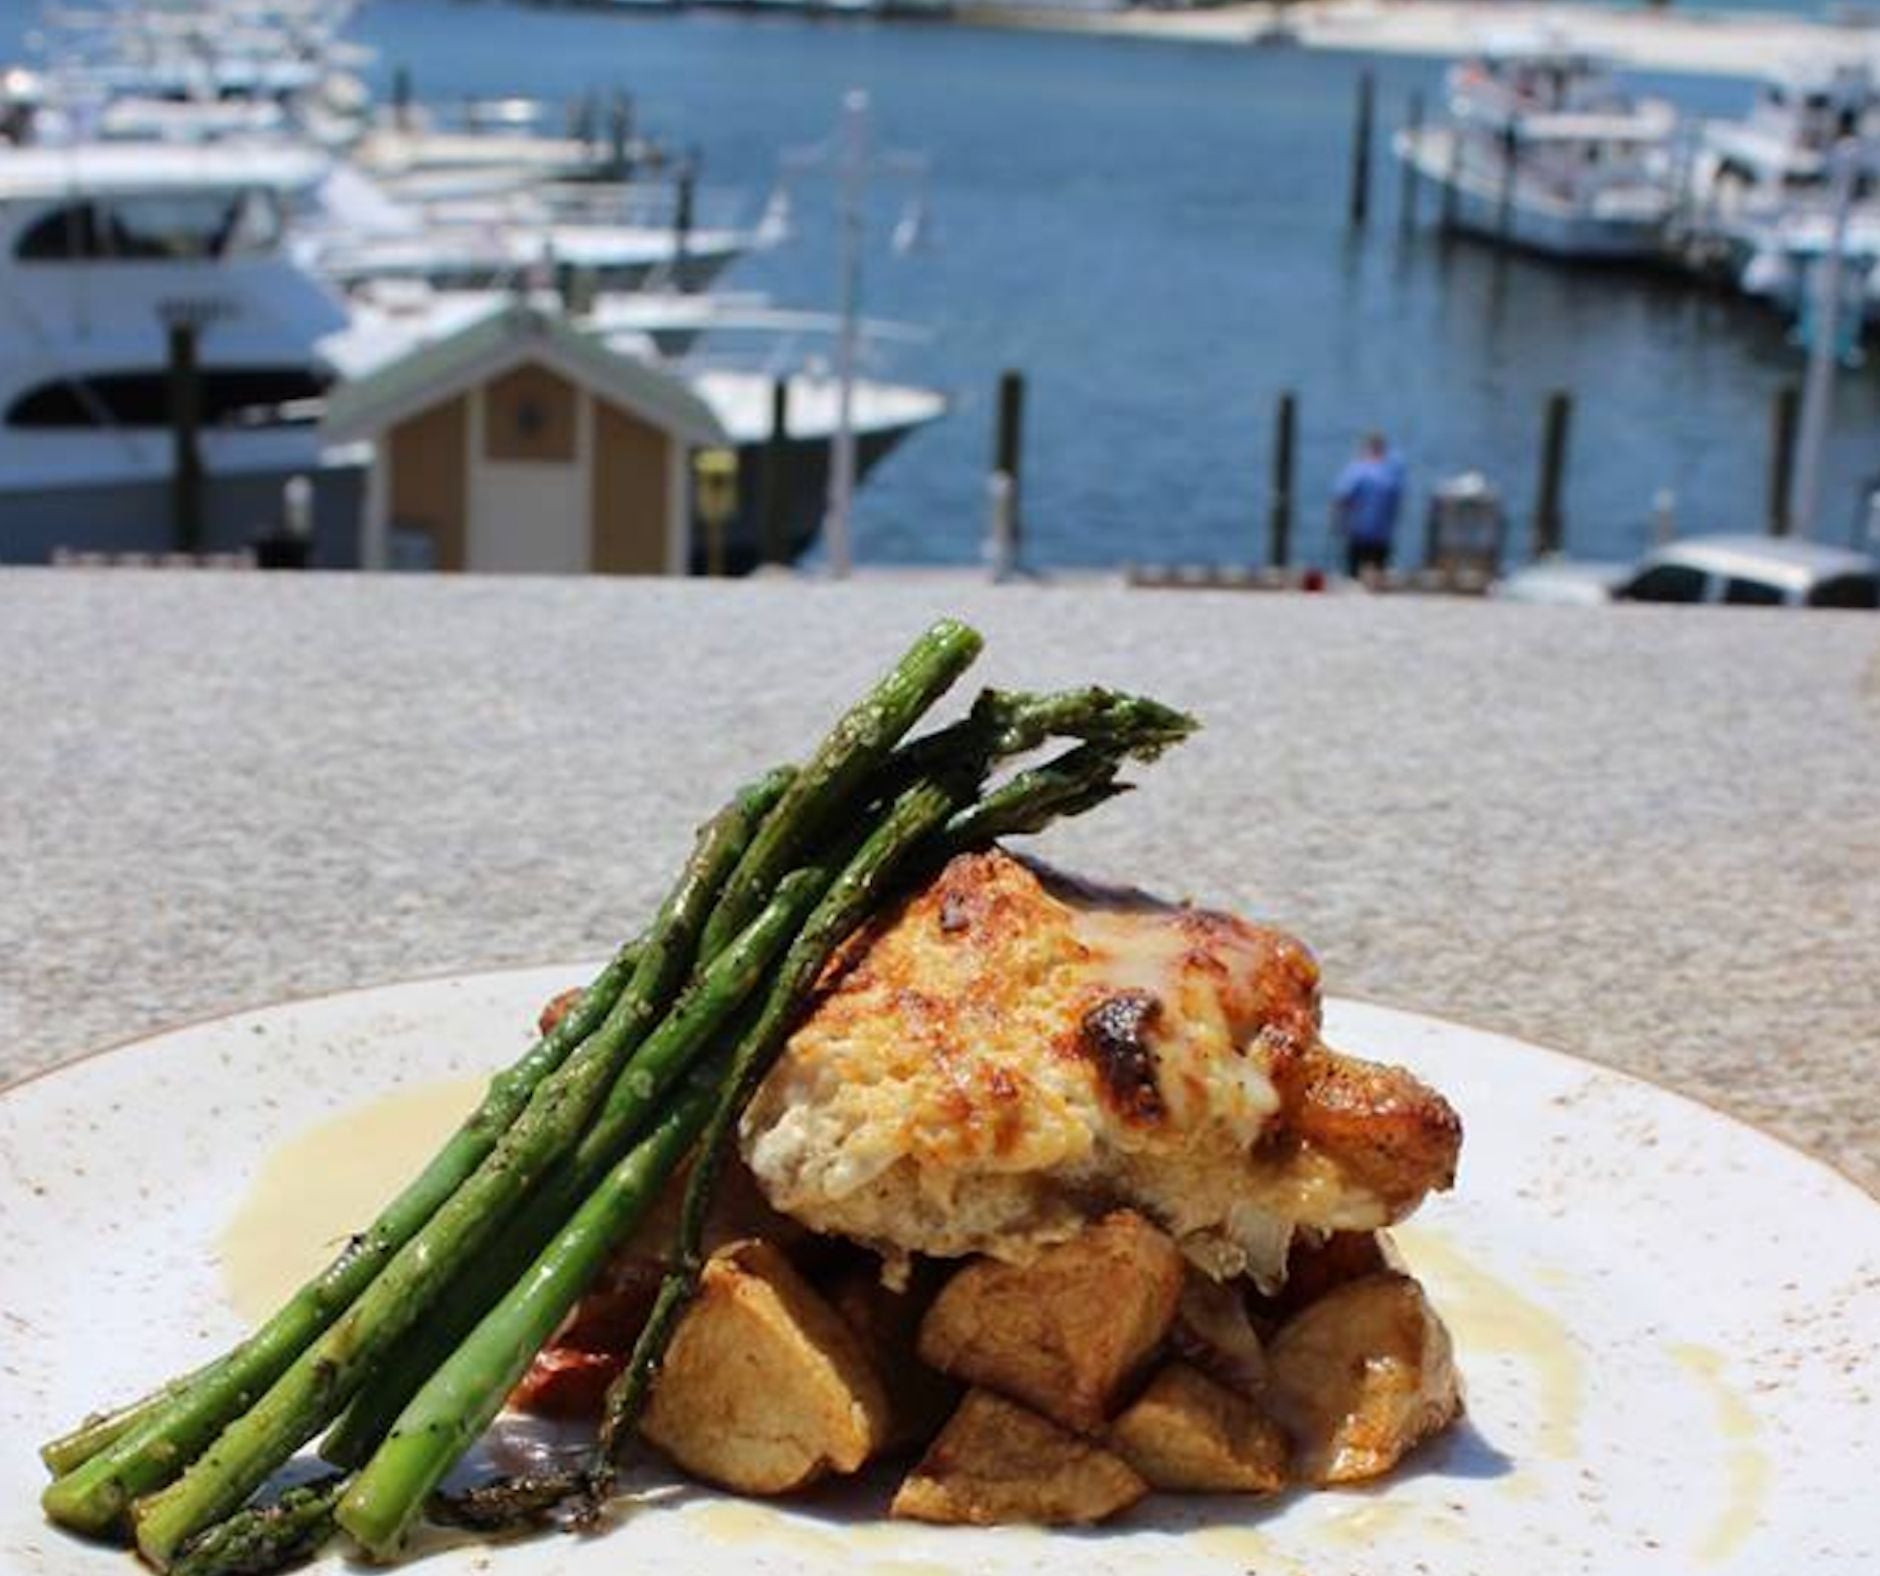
<point>1649,836</point>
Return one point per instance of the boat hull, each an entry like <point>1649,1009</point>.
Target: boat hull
<point>132,516</point>
<point>1473,201</point>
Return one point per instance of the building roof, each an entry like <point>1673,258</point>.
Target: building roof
<point>505,339</point>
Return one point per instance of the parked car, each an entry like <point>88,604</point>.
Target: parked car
<point>1758,570</point>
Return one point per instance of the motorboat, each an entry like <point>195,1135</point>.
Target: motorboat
<point>1541,149</point>
<point>1778,154</point>
<point>357,233</point>
<point>108,249</point>
<point>1761,195</point>
<point>105,249</point>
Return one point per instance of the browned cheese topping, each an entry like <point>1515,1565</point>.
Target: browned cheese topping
<point>1009,1054</point>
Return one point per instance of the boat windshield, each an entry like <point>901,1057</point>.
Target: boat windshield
<point>155,227</point>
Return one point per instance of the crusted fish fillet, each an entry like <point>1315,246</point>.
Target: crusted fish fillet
<point>1009,1054</point>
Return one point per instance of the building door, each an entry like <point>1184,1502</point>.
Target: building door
<point>529,497</point>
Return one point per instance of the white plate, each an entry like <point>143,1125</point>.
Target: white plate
<point>1666,1320</point>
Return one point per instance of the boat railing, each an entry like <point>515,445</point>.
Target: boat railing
<point>791,353</point>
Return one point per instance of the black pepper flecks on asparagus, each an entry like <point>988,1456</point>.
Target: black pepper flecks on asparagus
<point>316,1386</point>
<point>169,1429</point>
<point>835,775</point>
<point>1075,781</point>
<point>267,1538</point>
<point>915,816</point>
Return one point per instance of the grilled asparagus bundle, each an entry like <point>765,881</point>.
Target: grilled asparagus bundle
<point>410,1341</point>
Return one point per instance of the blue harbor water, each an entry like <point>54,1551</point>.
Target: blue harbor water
<point>1156,235</point>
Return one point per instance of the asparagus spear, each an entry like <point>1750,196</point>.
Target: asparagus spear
<point>851,751</point>
<point>456,1404</point>
<point>267,1538</point>
<point>858,745</point>
<point>1068,784</point>
<point>914,817</point>
<point>79,1444</point>
<point>1005,723</point>
<point>318,1383</point>
<point>167,1430</point>
<point>481,1282</point>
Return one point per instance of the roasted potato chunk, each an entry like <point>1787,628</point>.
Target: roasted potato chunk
<point>1212,1331</point>
<point>887,1323</point>
<point>764,1388</point>
<point>1065,1332</point>
<point>996,1462</point>
<point>1360,1377</point>
<point>1187,1434</point>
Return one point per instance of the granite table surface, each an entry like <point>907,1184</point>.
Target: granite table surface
<point>1647,836</point>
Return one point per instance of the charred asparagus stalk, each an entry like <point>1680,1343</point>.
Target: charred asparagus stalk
<point>456,1404</point>
<point>919,812</point>
<point>167,1430</point>
<point>267,1538</point>
<point>316,1385</point>
<point>853,751</point>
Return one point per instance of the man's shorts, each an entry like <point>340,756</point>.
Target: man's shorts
<point>1360,556</point>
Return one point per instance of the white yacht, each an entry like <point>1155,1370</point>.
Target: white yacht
<point>1541,149</point>
<point>104,246</point>
<point>1778,152</point>
<point>1760,202</point>
<point>357,233</point>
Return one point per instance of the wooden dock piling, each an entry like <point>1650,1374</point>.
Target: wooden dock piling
<point>774,486</point>
<point>185,429</point>
<point>1008,446</point>
<point>685,185</point>
<point>1784,414</point>
<point>401,97</point>
<point>1413,143</point>
<point>1361,149</point>
<point>1280,503</point>
<point>1452,182</point>
<point>620,136</point>
<point>1510,166</point>
<point>583,117</point>
<point>1549,525</point>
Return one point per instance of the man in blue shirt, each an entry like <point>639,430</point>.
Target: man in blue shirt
<point>1365,504</point>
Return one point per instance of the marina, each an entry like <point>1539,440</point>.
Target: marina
<point>441,200</point>
<point>185,301</point>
